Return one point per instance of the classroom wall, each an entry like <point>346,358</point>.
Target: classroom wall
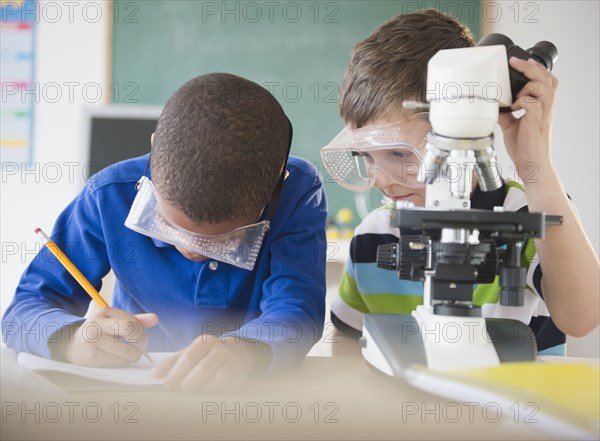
<point>72,49</point>
<point>573,27</point>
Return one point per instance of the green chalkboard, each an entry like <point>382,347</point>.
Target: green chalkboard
<point>296,49</point>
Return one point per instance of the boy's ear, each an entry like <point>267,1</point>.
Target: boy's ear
<point>152,139</point>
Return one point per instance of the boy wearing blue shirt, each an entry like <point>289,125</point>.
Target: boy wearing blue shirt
<point>216,240</point>
<point>385,69</point>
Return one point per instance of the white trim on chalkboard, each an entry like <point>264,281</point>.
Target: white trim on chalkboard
<point>121,111</point>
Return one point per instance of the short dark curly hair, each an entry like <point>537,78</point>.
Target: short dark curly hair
<point>219,148</point>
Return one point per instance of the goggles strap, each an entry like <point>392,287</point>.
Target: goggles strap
<point>138,183</point>
<point>274,200</point>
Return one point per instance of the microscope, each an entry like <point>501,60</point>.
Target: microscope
<point>453,246</point>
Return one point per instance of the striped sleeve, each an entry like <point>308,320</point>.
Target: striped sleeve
<point>534,311</point>
<point>347,307</point>
<point>366,288</point>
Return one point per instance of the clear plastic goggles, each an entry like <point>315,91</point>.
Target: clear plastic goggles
<point>239,247</point>
<point>356,158</point>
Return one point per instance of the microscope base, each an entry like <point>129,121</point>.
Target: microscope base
<point>392,342</point>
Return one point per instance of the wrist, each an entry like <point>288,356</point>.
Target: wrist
<point>545,192</point>
<point>534,172</point>
<point>61,342</point>
<point>254,354</point>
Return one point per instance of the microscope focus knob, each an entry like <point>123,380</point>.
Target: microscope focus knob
<point>512,283</point>
<point>487,270</point>
<point>408,257</point>
<point>413,258</point>
<point>387,256</point>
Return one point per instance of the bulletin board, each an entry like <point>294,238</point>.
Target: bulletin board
<point>17,61</point>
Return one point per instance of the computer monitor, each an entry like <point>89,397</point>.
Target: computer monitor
<point>117,132</point>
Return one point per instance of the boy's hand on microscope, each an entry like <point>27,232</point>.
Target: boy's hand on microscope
<point>527,139</point>
<point>108,337</point>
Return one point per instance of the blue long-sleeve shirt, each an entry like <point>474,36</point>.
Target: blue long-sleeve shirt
<point>281,302</point>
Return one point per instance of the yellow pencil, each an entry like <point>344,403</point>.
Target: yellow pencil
<point>72,269</point>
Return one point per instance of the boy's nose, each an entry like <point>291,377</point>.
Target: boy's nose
<point>382,181</point>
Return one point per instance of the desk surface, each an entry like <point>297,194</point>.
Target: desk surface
<point>324,398</point>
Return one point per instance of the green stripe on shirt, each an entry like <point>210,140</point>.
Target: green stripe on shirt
<point>350,294</point>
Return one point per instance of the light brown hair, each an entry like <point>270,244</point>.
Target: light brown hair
<point>390,65</point>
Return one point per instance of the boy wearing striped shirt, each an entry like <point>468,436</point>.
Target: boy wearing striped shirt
<point>385,69</point>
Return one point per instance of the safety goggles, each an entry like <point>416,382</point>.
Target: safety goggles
<point>239,247</point>
<point>356,158</point>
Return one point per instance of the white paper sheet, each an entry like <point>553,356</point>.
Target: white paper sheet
<point>136,374</point>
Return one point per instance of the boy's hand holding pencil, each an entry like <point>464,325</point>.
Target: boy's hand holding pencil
<point>109,337</point>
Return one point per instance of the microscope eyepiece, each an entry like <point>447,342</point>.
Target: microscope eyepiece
<point>495,40</point>
<point>543,52</point>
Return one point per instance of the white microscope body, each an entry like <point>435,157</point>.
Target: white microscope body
<point>465,90</point>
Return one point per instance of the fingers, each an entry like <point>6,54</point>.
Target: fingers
<point>230,376</point>
<point>96,338</point>
<point>123,326</point>
<point>200,376</point>
<point>110,337</point>
<point>115,345</point>
<point>91,346</point>
<point>534,71</point>
<point>147,320</point>
<point>208,364</point>
<point>537,93</point>
<point>163,369</point>
<point>187,360</point>
<point>506,120</point>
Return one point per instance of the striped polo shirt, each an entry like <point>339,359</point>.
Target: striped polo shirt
<point>365,288</point>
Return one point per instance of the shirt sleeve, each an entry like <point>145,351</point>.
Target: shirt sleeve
<point>348,307</point>
<point>293,298</point>
<point>531,261</point>
<point>48,299</point>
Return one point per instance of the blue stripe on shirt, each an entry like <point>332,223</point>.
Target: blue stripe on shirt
<point>373,280</point>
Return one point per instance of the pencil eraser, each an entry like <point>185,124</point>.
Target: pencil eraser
<point>37,230</point>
